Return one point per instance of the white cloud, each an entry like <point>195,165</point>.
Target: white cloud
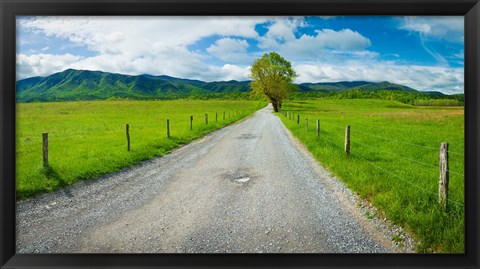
<point>281,37</point>
<point>423,78</point>
<point>128,33</point>
<point>135,45</point>
<point>279,32</point>
<point>185,64</point>
<point>234,72</point>
<point>230,49</point>
<point>43,64</point>
<point>449,28</point>
<point>343,41</point>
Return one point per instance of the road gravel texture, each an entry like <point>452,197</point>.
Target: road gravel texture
<point>247,188</point>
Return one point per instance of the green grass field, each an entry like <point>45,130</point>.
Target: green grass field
<point>394,161</point>
<point>88,139</point>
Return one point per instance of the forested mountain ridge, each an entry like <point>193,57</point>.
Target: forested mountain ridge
<point>74,85</point>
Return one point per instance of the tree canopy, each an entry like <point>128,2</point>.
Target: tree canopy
<point>272,76</point>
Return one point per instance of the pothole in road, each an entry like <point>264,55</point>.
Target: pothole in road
<point>241,175</point>
<point>247,136</point>
<point>241,179</point>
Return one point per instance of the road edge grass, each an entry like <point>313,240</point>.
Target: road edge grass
<point>423,238</point>
<point>402,240</point>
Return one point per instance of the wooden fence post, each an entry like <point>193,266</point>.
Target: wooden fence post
<point>306,123</point>
<point>347,140</point>
<point>128,137</point>
<point>318,127</point>
<point>206,118</point>
<point>298,119</point>
<point>168,128</point>
<point>216,116</point>
<point>444,176</point>
<point>191,122</point>
<point>45,149</point>
<point>223,115</point>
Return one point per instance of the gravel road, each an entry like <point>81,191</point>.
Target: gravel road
<point>247,188</point>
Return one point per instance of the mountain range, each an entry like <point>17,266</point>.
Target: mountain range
<point>73,85</point>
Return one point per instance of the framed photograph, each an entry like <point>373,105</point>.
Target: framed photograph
<point>244,134</point>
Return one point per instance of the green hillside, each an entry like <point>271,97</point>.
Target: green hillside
<point>95,85</point>
<point>228,86</point>
<point>75,85</point>
<point>333,86</point>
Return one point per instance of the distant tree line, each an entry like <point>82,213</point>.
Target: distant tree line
<point>418,98</point>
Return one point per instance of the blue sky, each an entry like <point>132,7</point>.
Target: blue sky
<point>425,53</point>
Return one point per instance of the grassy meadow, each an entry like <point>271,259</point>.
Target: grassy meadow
<point>88,139</point>
<point>394,161</point>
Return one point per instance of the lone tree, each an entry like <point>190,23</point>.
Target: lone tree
<point>272,77</point>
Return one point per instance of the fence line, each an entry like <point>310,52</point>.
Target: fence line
<point>395,140</point>
<point>390,173</point>
<point>409,182</point>
<point>400,156</point>
<point>45,154</point>
<point>444,170</point>
<point>393,154</point>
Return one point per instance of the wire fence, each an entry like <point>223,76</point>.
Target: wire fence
<point>188,121</point>
<point>398,141</point>
<point>295,118</point>
<point>398,177</point>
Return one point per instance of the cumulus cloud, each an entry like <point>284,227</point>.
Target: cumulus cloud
<point>234,72</point>
<point>281,37</point>
<point>43,64</point>
<point>280,32</point>
<point>135,45</point>
<point>230,49</point>
<point>100,33</point>
<point>338,42</point>
<point>344,39</point>
<point>423,78</point>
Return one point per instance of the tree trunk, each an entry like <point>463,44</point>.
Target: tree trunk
<point>275,105</point>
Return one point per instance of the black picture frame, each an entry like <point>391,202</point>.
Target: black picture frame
<point>11,8</point>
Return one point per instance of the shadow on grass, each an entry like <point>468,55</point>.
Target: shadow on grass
<point>52,174</point>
